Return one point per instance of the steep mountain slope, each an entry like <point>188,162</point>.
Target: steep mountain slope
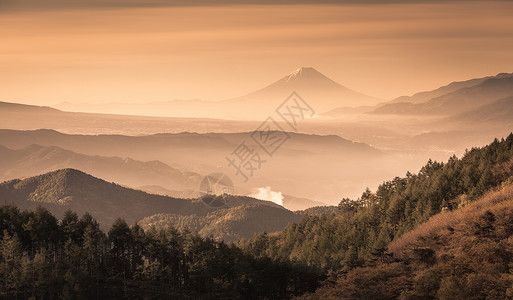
<point>34,159</point>
<point>70,189</point>
<point>459,101</point>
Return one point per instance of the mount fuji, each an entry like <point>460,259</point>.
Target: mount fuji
<point>321,92</point>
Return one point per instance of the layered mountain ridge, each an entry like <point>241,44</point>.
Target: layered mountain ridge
<point>70,189</point>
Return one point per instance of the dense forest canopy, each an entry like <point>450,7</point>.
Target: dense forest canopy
<point>43,257</point>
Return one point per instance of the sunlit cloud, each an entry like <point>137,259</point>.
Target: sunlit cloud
<point>265,193</point>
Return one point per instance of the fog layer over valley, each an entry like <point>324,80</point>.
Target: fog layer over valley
<point>348,142</point>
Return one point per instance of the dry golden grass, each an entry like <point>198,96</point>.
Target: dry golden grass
<point>495,201</point>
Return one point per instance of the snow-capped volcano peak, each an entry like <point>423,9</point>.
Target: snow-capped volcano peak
<point>302,72</point>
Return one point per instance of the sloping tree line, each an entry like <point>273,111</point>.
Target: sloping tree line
<point>361,229</point>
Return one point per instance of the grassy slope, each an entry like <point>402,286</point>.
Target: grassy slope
<point>462,254</point>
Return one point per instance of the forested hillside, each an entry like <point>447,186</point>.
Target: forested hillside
<point>227,224</point>
<point>362,229</point>
<point>45,258</point>
<point>73,189</point>
<point>70,189</point>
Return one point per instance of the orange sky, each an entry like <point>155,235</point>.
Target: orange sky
<point>156,54</point>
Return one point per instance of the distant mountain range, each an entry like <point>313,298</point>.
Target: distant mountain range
<point>206,153</point>
<point>35,159</point>
<point>174,147</point>
<point>453,99</point>
<point>31,117</point>
<point>324,95</point>
<point>453,117</point>
<point>70,189</point>
<point>152,176</point>
<point>498,111</point>
<point>7,107</point>
<point>446,89</point>
<point>319,91</point>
